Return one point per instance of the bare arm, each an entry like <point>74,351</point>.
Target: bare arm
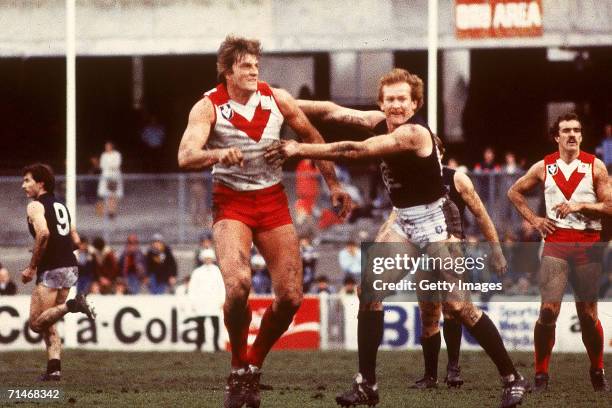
<point>602,190</point>
<point>308,134</point>
<point>466,189</point>
<point>76,240</point>
<point>404,138</point>
<point>331,112</point>
<point>191,154</point>
<point>527,182</point>
<point>516,194</point>
<point>36,214</point>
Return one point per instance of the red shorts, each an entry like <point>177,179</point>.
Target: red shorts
<point>261,210</point>
<point>573,245</point>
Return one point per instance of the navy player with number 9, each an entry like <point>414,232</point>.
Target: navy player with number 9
<point>53,263</point>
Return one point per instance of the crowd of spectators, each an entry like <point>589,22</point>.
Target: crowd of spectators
<point>7,286</point>
<point>102,271</point>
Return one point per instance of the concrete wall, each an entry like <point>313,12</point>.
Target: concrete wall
<point>131,27</point>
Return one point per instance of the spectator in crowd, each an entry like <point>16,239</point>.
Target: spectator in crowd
<point>121,288</point>
<point>483,183</point>
<point>511,171</point>
<point>261,283</point>
<point>306,188</point>
<point>487,165</point>
<point>110,187</point>
<point>153,137</point>
<point>322,285</point>
<point>510,164</point>
<point>198,200</point>
<point>7,286</point>
<point>94,288</point>
<point>206,292</point>
<point>309,262</point>
<point>161,266</point>
<point>349,286</point>
<point>107,266</point>
<point>349,259</point>
<point>453,163</point>
<point>89,186</point>
<point>206,243</point>
<point>132,265</point>
<point>87,266</point>
<point>604,150</point>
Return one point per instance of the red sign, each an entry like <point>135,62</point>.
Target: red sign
<point>303,332</point>
<point>498,18</point>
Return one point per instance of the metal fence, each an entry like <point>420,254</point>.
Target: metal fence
<point>179,207</point>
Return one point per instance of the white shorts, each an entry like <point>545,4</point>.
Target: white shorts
<point>59,278</point>
<point>423,224</point>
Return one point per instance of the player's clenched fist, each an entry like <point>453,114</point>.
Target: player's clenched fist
<point>231,156</point>
<point>277,153</point>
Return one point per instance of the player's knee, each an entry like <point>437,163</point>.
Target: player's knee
<point>289,302</point>
<point>35,327</point>
<point>237,289</point>
<point>548,315</point>
<point>453,310</point>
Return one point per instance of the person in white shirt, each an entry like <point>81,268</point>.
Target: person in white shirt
<point>206,292</point>
<point>110,187</point>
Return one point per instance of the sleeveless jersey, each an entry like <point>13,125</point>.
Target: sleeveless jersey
<point>411,180</point>
<point>448,178</point>
<point>571,183</point>
<point>251,128</point>
<point>58,253</point>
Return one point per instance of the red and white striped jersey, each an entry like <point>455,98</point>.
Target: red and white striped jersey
<point>251,128</point>
<point>573,183</point>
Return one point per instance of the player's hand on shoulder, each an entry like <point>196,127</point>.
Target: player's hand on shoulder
<point>544,225</point>
<point>278,152</point>
<point>28,274</point>
<point>231,156</point>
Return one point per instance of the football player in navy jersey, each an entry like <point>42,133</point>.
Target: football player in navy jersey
<point>425,218</point>
<point>53,263</point>
<point>460,191</point>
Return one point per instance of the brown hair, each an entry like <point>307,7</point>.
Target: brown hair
<point>41,173</point>
<point>554,129</point>
<point>398,75</point>
<point>231,50</point>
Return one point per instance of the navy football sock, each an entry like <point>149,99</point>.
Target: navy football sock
<point>370,326</point>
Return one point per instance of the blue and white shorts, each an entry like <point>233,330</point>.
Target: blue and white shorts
<point>427,223</point>
<point>59,278</point>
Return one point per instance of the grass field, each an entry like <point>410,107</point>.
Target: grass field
<point>300,379</point>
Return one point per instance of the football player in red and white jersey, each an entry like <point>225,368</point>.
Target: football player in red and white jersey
<point>577,194</point>
<point>230,129</point>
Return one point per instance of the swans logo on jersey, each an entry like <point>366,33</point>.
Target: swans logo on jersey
<point>226,111</point>
<point>552,169</point>
<point>584,167</point>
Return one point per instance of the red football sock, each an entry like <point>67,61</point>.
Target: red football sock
<point>238,330</point>
<point>544,340</point>
<point>273,325</point>
<point>593,339</point>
